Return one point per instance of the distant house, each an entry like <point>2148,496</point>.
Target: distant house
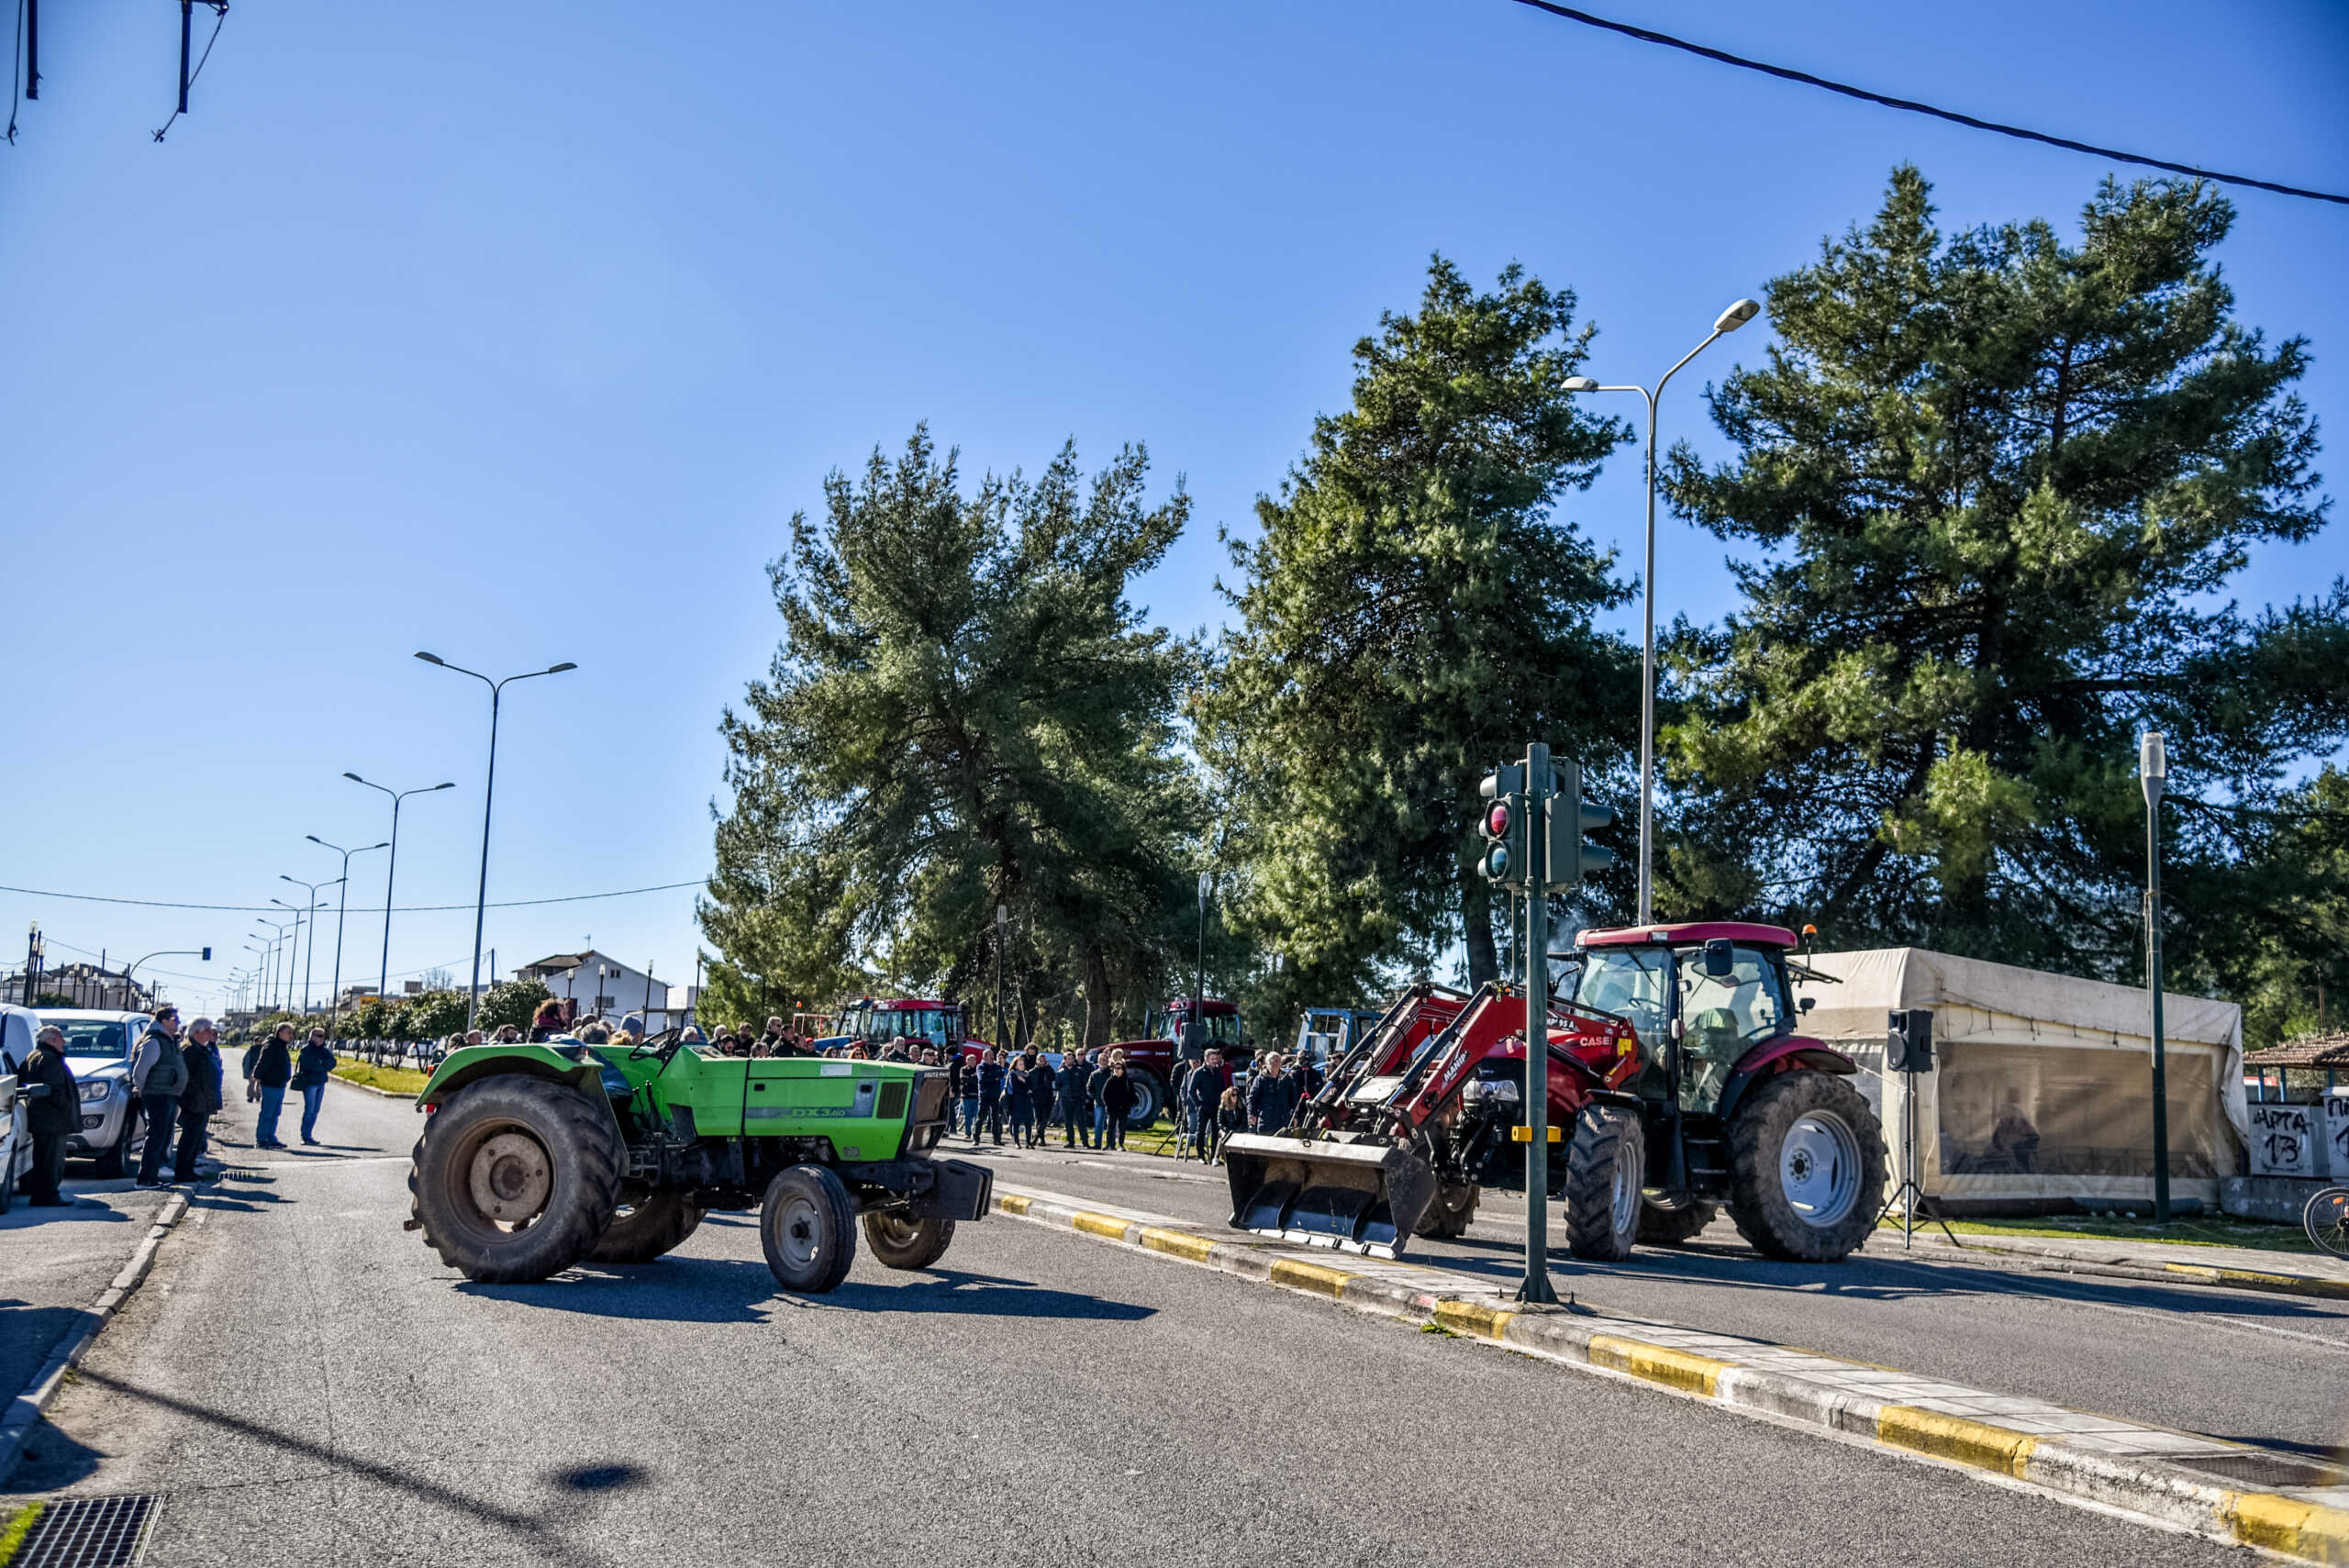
<point>599,984</point>
<point>84,986</point>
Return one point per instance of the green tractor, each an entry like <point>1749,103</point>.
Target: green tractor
<point>537,1157</point>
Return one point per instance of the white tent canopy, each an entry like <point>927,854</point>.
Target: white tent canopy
<point>2042,1087</point>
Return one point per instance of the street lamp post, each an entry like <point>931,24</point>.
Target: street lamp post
<point>1196,1046</point>
<point>2152,769</point>
<point>310,950</point>
<point>342,909</point>
<point>292,943</point>
<point>391,868</point>
<point>488,791</point>
<point>1729,321</point>
<point>1002,931</point>
<point>269,958</point>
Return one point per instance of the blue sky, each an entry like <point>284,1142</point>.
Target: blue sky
<point>518,331</point>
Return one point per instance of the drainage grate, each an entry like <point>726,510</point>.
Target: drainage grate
<point>88,1532</point>
<point>2260,1467</point>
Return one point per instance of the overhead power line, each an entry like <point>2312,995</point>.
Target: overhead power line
<point>397,909</point>
<point>1910,106</point>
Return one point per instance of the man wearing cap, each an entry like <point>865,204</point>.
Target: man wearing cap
<point>200,1099</point>
<point>158,1076</point>
<point>53,1115</point>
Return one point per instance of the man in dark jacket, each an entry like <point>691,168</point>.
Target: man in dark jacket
<point>200,1099</point>
<point>271,1070</point>
<point>1070,1083</point>
<point>1095,1081</point>
<point>1272,1096</point>
<point>1041,1086</point>
<point>961,1087</point>
<point>990,1091</point>
<point>1018,1102</point>
<point>1118,1097</point>
<point>1201,1089</point>
<point>53,1116</point>
<point>157,1077</point>
<point>311,1070</point>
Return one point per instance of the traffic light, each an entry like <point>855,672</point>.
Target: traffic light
<point>1568,818</point>
<point>1502,824</point>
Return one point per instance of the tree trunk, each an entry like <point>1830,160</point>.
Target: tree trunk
<point>1096,997</point>
<point>1476,926</point>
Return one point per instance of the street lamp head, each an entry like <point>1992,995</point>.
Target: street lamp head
<point>431,658</point>
<point>440,786</point>
<point>373,848</point>
<point>283,877</point>
<point>354,778</point>
<point>2153,766</point>
<point>316,840</point>
<point>1582,383</point>
<point>1736,315</point>
<point>559,669</point>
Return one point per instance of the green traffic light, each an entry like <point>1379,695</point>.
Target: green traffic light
<point>1497,862</point>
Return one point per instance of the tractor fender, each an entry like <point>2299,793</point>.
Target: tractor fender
<point>1776,1056</point>
<point>464,1067</point>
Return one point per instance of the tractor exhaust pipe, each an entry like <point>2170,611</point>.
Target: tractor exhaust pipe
<point>1362,1197</point>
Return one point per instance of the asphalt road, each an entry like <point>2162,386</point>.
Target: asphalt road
<point>304,1382</point>
<point>2253,1368</point>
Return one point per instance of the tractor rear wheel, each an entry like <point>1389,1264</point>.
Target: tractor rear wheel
<point>1806,1168</point>
<point>516,1177</point>
<point>902,1244</point>
<point>645,1227</point>
<point>1149,1099</point>
<point>807,1229</point>
<point>1669,1219</point>
<point>1447,1217</point>
<point>1605,1163</point>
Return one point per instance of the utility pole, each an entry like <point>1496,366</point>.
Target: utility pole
<point>1002,925</point>
<point>1196,1047</point>
<point>2153,768</point>
<point>1535,950</point>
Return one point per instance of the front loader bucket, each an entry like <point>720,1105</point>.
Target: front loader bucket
<point>1365,1197</point>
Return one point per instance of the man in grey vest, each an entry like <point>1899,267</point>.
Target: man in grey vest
<point>157,1077</point>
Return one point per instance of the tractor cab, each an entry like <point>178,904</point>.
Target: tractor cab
<point>1702,997</point>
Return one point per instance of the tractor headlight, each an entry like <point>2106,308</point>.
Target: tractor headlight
<point>1482,1092</point>
<point>96,1088</point>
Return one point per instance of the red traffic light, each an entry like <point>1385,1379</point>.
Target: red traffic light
<point>1496,821</point>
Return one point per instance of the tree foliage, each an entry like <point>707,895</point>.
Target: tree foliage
<point>965,711</point>
<point>2001,481</point>
<point>1413,612</point>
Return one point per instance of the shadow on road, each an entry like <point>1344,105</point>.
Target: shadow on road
<point>982,1295</point>
<point>537,1531</point>
<point>85,1212</point>
<point>731,1290</point>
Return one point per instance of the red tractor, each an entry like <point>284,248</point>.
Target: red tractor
<point>1674,1078</point>
<point>1149,1062</point>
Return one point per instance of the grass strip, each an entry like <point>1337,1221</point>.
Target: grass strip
<point>19,1525</point>
<point>396,1079</point>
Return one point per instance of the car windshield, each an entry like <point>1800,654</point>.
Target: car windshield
<point>107,1037</point>
<point>1628,983</point>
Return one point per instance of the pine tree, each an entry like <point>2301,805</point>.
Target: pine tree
<point>1412,613</point>
<point>2000,482</point>
<point>965,711</point>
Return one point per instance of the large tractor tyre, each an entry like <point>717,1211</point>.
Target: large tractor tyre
<point>641,1231</point>
<point>114,1162</point>
<point>1448,1217</point>
<point>807,1229</point>
<point>1149,1099</point>
<point>902,1244</point>
<point>1806,1168</point>
<point>1605,1163</point>
<point>516,1177</point>
<point>1669,1221</point>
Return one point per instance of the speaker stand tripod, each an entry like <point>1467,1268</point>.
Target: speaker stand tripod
<point>1909,1198</point>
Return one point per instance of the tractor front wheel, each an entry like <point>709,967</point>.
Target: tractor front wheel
<point>902,1244</point>
<point>516,1177</point>
<point>1805,1164</point>
<point>1668,1219</point>
<point>1447,1217</point>
<point>807,1229</point>
<point>1605,1163</point>
<point>653,1224</point>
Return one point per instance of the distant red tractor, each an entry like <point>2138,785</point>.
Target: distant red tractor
<point>1149,1061</point>
<point>1675,1077</point>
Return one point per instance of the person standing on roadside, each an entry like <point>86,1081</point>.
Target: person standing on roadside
<point>53,1116</point>
<point>960,1088</point>
<point>158,1077</point>
<point>199,1100</point>
<point>1119,1097</point>
<point>545,1024</point>
<point>1095,1082</point>
<point>311,1070</point>
<point>990,1080</point>
<point>1201,1092</point>
<point>1041,1086</point>
<point>1068,1086</point>
<point>1018,1099</point>
<point>270,1067</point>
<point>1272,1096</point>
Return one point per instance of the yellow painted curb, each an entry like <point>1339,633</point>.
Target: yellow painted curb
<point>1103,1224</point>
<point>1479,1318</point>
<point>1177,1244</point>
<point>1011,1203</point>
<point>2282,1524</point>
<point>1310,1276</point>
<point>1658,1364</point>
<point>2255,1279</point>
<point>1977,1443</point>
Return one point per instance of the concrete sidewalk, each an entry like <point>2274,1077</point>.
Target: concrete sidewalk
<point>2240,1268</point>
<point>54,1261</point>
<point>2220,1490</point>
